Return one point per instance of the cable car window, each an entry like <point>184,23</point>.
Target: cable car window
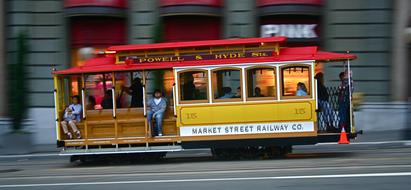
<point>98,91</point>
<point>193,85</point>
<point>296,81</point>
<point>227,84</point>
<point>129,89</point>
<point>261,82</point>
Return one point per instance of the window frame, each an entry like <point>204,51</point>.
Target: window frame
<point>310,80</point>
<point>275,81</point>
<point>229,99</point>
<point>180,101</point>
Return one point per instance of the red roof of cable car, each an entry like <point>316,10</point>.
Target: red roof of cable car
<point>107,64</point>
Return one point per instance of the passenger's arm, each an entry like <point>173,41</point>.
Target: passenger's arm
<point>163,108</point>
<point>77,110</point>
<point>65,115</point>
<point>149,103</point>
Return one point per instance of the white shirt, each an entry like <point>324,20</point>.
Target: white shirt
<point>157,100</point>
<point>76,111</point>
<point>76,108</point>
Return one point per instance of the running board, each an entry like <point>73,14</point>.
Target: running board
<point>122,150</point>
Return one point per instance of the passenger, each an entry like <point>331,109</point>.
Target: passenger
<point>227,93</point>
<point>136,92</point>
<point>301,89</point>
<point>72,115</point>
<point>343,102</point>
<point>91,104</point>
<point>326,113</point>
<point>107,102</point>
<point>156,108</point>
<point>238,93</point>
<point>189,88</point>
<point>257,92</point>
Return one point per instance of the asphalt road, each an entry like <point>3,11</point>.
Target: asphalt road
<point>354,166</point>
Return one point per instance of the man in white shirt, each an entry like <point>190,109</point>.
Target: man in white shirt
<point>157,106</point>
<point>72,116</point>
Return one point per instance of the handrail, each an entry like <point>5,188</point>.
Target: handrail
<point>174,99</point>
<point>56,112</point>
<point>316,94</point>
<point>114,102</point>
<point>350,94</point>
<point>83,101</point>
<point>144,101</point>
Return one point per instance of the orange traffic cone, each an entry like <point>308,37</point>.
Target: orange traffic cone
<point>343,137</point>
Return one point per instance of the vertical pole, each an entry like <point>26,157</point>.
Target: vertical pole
<point>350,94</point>
<point>277,80</point>
<point>174,99</point>
<point>113,94</point>
<point>57,106</point>
<point>146,125</point>
<point>83,98</point>
<point>144,101</point>
<point>316,104</point>
<point>243,89</point>
<point>210,86</point>
<point>177,83</point>
<point>315,94</point>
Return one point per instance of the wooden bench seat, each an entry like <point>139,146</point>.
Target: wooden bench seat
<point>131,123</point>
<point>138,120</point>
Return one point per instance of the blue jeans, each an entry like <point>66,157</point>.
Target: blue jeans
<point>159,122</point>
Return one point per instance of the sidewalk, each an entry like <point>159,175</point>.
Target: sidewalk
<point>374,136</point>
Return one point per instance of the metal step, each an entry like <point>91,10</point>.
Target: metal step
<point>121,150</point>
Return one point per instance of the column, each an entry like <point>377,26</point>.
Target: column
<point>399,71</point>
<point>240,19</point>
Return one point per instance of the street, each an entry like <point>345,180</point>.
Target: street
<point>327,166</point>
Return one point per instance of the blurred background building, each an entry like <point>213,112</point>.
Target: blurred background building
<point>64,33</point>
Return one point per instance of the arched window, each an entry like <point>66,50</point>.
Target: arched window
<point>193,86</point>
<point>261,83</point>
<point>226,84</point>
<point>296,81</point>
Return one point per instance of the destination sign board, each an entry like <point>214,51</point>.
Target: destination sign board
<point>195,57</point>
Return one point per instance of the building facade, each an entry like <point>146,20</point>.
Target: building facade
<point>62,34</point>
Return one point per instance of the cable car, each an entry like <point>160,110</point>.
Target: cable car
<point>239,97</point>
